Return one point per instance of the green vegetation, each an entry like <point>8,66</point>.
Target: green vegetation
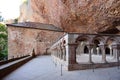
<point>3,42</point>
<point>16,21</point>
<point>1,18</point>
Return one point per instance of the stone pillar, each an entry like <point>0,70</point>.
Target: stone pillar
<point>98,50</point>
<point>116,53</point>
<point>111,51</point>
<point>64,53</point>
<point>57,52</point>
<point>90,46</point>
<point>72,53</point>
<point>103,47</point>
<point>61,51</point>
<point>54,52</point>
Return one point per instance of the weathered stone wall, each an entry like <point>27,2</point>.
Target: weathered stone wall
<point>22,41</point>
<point>84,16</point>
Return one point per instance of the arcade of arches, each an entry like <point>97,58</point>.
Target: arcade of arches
<point>78,51</point>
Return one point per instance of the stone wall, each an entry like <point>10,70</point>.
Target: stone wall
<point>22,41</point>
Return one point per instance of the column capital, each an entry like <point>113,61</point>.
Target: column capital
<point>116,46</point>
<point>103,45</point>
<point>72,44</point>
<point>90,45</point>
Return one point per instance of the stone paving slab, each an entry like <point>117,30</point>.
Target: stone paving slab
<point>43,68</point>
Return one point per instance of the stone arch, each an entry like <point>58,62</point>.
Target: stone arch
<point>112,38</point>
<point>82,49</point>
<point>99,38</point>
<point>110,41</point>
<point>82,41</point>
<point>96,41</point>
<point>83,38</point>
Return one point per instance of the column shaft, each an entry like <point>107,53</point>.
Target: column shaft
<point>72,53</point>
<point>103,47</point>
<point>116,49</point>
<point>90,46</point>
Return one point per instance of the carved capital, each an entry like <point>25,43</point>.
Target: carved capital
<point>73,44</point>
<point>90,45</point>
<point>103,45</point>
<point>116,46</point>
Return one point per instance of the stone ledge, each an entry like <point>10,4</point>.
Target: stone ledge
<point>72,67</point>
<point>10,60</point>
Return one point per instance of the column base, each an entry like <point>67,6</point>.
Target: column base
<point>90,61</point>
<point>104,61</point>
<point>115,59</point>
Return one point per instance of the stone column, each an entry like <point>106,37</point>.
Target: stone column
<point>116,51</point>
<point>61,51</point>
<point>56,55</point>
<point>98,50</point>
<point>54,52</point>
<point>72,53</point>
<point>90,46</point>
<point>64,53</point>
<point>57,52</point>
<point>111,51</point>
<point>103,47</point>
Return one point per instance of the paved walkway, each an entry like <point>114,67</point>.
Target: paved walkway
<point>42,68</point>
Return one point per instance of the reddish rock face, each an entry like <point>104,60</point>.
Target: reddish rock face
<point>84,16</point>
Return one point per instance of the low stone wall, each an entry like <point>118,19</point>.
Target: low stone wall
<point>8,69</point>
<point>10,60</point>
<point>92,66</point>
<point>84,66</point>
